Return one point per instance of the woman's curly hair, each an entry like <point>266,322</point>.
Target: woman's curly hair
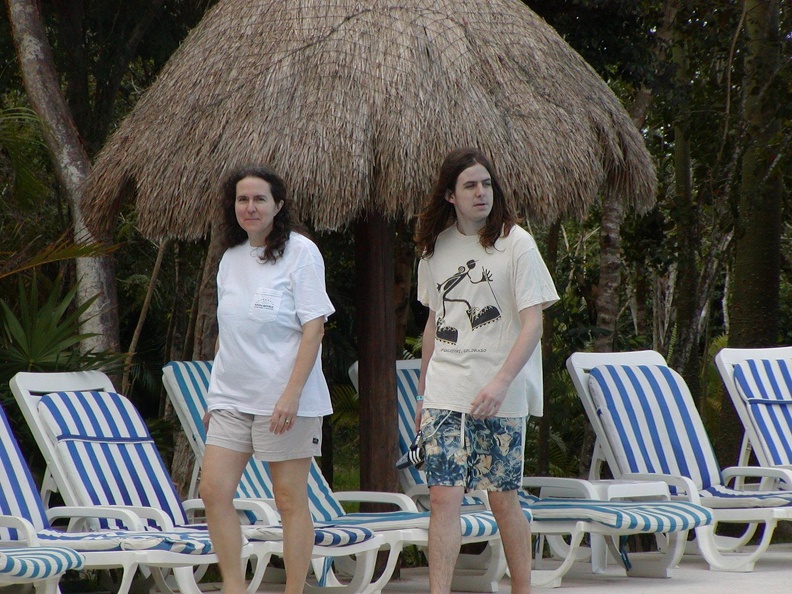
<point>231,234</point>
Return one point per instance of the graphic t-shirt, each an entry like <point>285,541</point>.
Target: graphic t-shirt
<point>261,309</point>
<point>477,294</point>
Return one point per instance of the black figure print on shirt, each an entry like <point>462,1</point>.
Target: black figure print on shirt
<point>451,291</point>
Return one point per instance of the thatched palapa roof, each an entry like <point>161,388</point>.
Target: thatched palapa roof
<point>356,103</point>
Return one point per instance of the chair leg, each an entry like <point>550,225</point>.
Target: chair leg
<point>720,560</point>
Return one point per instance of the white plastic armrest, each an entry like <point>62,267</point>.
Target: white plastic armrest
<point>772,472</point>
<point>416,491</point>
<point>399,499</point>
<point>262,508</point>
<point>686,488</point>
<point>552,486</point>
<point>129,518</point>
<point>26,530</point>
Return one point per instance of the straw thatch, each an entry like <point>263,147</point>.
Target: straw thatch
<point>356,102</point>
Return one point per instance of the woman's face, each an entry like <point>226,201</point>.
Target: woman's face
<point>255,208</point>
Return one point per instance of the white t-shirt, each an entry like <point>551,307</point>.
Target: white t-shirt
<point>260,312</point>
<point>477,295</point>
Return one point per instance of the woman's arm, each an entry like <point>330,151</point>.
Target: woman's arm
<point>289,402</point>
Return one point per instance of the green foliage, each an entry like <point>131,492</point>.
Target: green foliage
<point>19,141</point>
<point>42,333</point>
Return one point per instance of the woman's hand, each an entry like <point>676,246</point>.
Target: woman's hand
<point>285,412</point>
<point>206,417</point>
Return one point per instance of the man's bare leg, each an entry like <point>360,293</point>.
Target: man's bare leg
<point>515,533</point>
<point>445,536</point>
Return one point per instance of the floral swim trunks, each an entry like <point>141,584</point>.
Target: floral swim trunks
<point>490,457</point>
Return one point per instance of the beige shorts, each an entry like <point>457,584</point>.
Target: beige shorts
<point>250,434</point>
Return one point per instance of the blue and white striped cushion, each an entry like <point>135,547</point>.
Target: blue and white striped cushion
<point>407,376</point>
<point>103,540</point>
<point>391,520</point>
<point>766,388</point>
<point>20,565</point>
<point>192,377</point>
<point>186,542</point>
<point>652,423</point>
<point>325,536</point>
<point>624,516</point>
<point>191,542</point>
<point>106,447</point>
<point>18,497</point>
<point>720,496</point>
<point>473,524</point>
<point>654,427</point>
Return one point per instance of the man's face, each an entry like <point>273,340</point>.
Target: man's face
<point>472,197</point>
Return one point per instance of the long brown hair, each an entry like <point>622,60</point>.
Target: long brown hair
<point>439,213</point>
<point>231,234</point>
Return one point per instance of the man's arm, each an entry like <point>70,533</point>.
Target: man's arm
<point>488,401</point>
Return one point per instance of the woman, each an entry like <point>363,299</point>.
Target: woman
<point>267,394</point>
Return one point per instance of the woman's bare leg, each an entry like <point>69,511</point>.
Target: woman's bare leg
<point>220,473</point>
<point>290,482</point>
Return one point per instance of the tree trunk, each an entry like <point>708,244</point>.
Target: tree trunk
<point>206,322</point>
<point>755,299</point>
<point>686,357</point>
<point>376,333</point>
<point>610,272</point>
<point>95,276</point>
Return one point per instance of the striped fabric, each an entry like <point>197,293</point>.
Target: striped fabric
<point>192,380</point>
<point>766,388</point>
<point>25,565</point>
<point>654,427</point>
<point>407,374</point>
<point>107,449</point>
<point>624,516</point>
<point>186,542</point>
<point>326,536</point>
<point>18,497</point>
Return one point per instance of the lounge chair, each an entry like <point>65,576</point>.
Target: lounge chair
<point>759,382</point>
<point>187,383</point>
<point>648,428</point>
<point>99,452</point>
<point>570,508</point>
<point>48,552</point>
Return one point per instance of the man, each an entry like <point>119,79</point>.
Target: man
<point>485,284</point>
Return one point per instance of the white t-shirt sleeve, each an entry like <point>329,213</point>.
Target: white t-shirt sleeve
<point>428,294</point>
<point>533,284</point>
<point>310,295</point>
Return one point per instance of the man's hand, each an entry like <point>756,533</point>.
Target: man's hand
<point>488,401</point>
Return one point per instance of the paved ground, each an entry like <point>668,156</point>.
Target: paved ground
<point>772,575</point>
